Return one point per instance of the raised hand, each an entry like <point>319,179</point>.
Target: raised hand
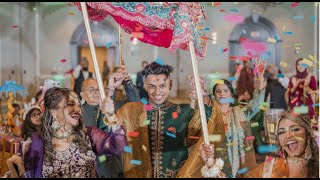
<point>107,106</point>
<point>207,154</point>
<point>260,66</point>
<point>123,70</point>
<point>115,80</point>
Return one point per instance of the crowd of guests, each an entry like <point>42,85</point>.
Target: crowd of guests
<point>75,133</point>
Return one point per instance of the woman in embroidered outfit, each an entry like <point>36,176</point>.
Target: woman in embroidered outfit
<point>302,89</point>
<point>64,147</point>
<point>299,150</point>
<point>233,124</point>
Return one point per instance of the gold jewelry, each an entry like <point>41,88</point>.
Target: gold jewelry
<point>306,157</point>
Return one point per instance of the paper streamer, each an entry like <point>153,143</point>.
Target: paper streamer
<point>194,137</point>
<point>255,124</point>
<point>144,101</point>
<point>144,148</point>
<point>218,81</point>
<point>159,61</point>
<point>148,107</point>
<point>133,134</point>
<point>135,162</point>
<point>127,149</point>
<point>243,170</point>
<point>298,17</point>
<point>171,135</point>
<point>294,100</point>
<point>232,78</point>
<point>174,115</point>
<point>102,158</point>
<point>287,33</point>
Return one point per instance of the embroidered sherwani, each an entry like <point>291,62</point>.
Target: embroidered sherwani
<point>162,145</point>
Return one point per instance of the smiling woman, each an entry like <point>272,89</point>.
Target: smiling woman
<point>299,157</point>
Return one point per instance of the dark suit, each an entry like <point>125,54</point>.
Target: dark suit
<point>140,83</point>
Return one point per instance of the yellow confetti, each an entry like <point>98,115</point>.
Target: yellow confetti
<point>144,148</point>
<point>254,124</point>
<point>314,121</point>
<point>271,127</point>
<point>308,62</point>
<point>218,81</point>
<point>71,13</point>
<point>312,58</point>
<point>219,149</point>
<point>214,137</point>
<point>283,64</point>
<point>11,140</point>
<point>248,148</point>
<point>298,138</point>
<point>262,108</point>
<point>272,40</point>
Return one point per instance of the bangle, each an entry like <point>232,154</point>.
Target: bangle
<point>214,171</point>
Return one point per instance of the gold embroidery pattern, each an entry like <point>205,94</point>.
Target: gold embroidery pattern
<point>173,173</point>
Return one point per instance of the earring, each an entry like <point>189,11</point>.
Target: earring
<point>284,157</point>
<point>55,124</point>
<point>307,152</point>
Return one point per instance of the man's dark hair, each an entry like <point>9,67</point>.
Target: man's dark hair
<point>156,69</point>
<point>144,62</point>
<point>15,105</point>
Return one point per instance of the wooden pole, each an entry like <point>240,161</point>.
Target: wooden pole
<point>92,49</point>
<point>199,92</point>
<point>120,47</point>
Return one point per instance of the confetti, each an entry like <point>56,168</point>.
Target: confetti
<point>138,35</point>
<point>243,170</point>
<point>148,107</point>
<point>244,109</point>
<point>133,134</point>
<point>232,78</point>
<point>242,103</point>
<point>269,158</point>
<point>216,4</point>
<point>127,149</point>
<point>256,124</point>
<point>301,109</point>
<point>171,128</point>
<point>147,122</point>
<point>194,137</point>
<point>204,38</point>
<point>218,81</point>
<point>144,101</point>
<point>265,56</point>
<point>304,65</point>
<point>297,44</point>
<point>225,50</point>
<point>247,149</point>
<point>308,62</point>
<point>234,18</point>
<point>206,29</point>
<point>63,60</point>
<point>102,158</point>
<point>294,100</point>
<point>283,64</point>
<point>230,144</point>
<point>109,44</point>
<point>221,10</point>
<point>214,137</point>
<point>233,57</point>
<point>298,138</point>
<point>219,149</point>
<point>272,40</point>
<point>295,4</point>
<point>234,10</point>
<point>159,61</point>
<point>171,135</point>
<point>249,138</point>
<point>298,17</point>
<point>86,41</point>
<point>174,115</point>
<point>312,58</point>
<point>11,140</point>
<point>14,26</point>
<point>71,13</point>
<point>263,149</point>
<point>257,47</point>
<point>226,100</point>
<point>280,75</point>
<point>276,37</point>
<point>135,162</point>
<point>287,33</point>
<point>314,121</point>
<point>313,105</point>
<point>313,19</point>
<point>144,148</point>
<point>262,108</point>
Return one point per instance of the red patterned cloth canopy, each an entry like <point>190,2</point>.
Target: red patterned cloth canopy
<point>167,24</point>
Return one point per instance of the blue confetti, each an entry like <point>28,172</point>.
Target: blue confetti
<point>232,78</point>
<point>243,170</point>
<point>268,52</point>
<point>221,51</point>
<point>315,105</point>
<point>171,135</point>
<point>304,65</point>
<point>313,19</point>
<point>287,33</point>
<point>127,149</point>
<point>206,29</point>
<point>263,149</point>
<point>227,100</point>
<point>265,56</point>
<point>144,101</point>
<point>135,162</point>
<point>159,61</point>
<point>234,10</point>
<point>253,114</point>
<point>280,75</point>
<point>109,44</point>
<point>298,17</point>
<point>276,37</point>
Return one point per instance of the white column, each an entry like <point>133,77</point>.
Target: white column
<point>155,52</point>
<point>37,46</point>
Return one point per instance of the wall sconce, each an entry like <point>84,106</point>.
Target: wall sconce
<point>214,37</point>
<point>135,41</point>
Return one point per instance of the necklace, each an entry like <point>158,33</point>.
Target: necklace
<point>60,135</point>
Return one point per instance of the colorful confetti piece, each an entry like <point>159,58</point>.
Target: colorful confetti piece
<point>216,4</point>
<point>102,158</point>
<point>280,75</point>
<point>244,109</point>
<point>301,109</point>
<point>250,138</point>
<point>313,19</point>
<point>294,100</point>
<point>218,81</point>
<point>232,78</point>
<point>287,33</point>
<point>248,149</point>
<point>256,124</point>
<point>170,134</point>
<point>171,128</point>
<point>147,122</point>
<point>243,170</point>
<point>307,62</point>
<point>226,100</point>
<point>234,18</point>
<point>127,149</point>
<point>144,101</point>
<point>219,149</point>
<point>313,105</point>
<point>283,64</point>
<point>298,17</point>
<point>295,4</point>
<point>159,61</point>
<point>133,134</point>
<point>63,60</point>
<point>263,149</point>
<point>148,107</point>
<point>194,137</point>
<point>225,50</point>
<point>206,29</point>
<point>144,148</point>
<point>269,158</point>
<point>312,58</point>
<point>262,108</point>
<point>174,115</point>
<point>135,162</point>
<point>214,137</point>
<point>14,26</point>
<point>71,13</point>
<point>271,40</point>
<point>234,10</point>
<point>108,45</point>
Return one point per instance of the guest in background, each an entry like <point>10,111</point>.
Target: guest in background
<point>140,81</point>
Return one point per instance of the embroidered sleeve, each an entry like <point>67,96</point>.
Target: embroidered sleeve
<point>111,143</point>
